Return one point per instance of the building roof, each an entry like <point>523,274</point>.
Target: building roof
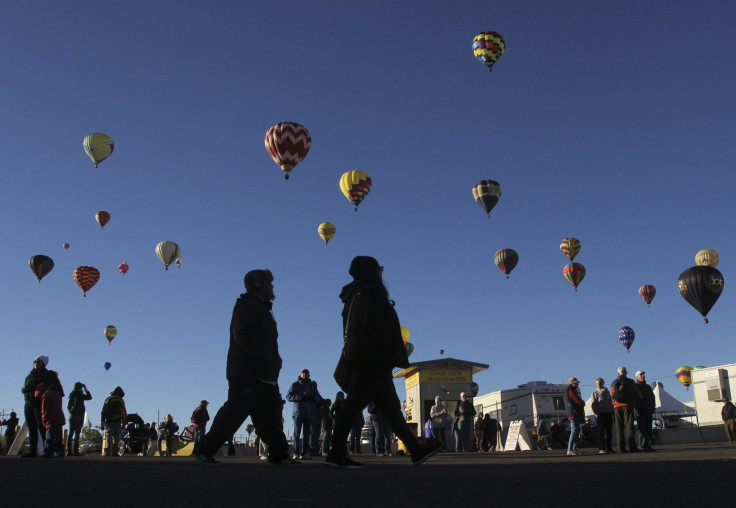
<point>441,363</point>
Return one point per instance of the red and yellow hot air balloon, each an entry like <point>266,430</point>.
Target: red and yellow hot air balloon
<point>647,293</point>
<point>355,185</point>
<point>683,376</point>
<point>86,277</point>
<point>405,334</point>
<point>287,143</point>
<point>570,247</point>
<point>574,273</point>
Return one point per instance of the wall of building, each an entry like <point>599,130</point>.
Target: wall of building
<point>709,411</point>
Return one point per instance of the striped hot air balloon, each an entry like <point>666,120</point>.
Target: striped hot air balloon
<point>99,146</point>
<point>506,260</point>
<point>41,265</point>
<point>647,293</point>
<point>574,273</point>
<point>683,376</point>
<point>86,277</point>
<point>287,143</point>
<point>326,230</point>
<point>570,247</point>
<point>355,185</point>
<point>167,252</point>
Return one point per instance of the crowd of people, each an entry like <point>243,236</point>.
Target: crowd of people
<point>372,348</point>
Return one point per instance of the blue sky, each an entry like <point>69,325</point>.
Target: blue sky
<point>612,123</point>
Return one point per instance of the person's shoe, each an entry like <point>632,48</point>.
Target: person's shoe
<point>425,452</point>
<point>610,450</point>
<point>204,459</point>
<point>389,454</point>
<point>264,457</point>
<point>342,462</point>
<point>602,452</point>
<point>380,455</point>
<point>571,453</point>
<point>286,461</point>
<point>578,452</point>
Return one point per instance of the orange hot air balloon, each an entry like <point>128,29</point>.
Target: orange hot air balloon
<point>86,277</point>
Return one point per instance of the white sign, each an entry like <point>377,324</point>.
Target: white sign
<point>517,436</point>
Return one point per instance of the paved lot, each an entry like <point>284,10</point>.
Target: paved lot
<point>675,475</point>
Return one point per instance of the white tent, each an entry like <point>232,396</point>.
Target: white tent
<point>664,403</point>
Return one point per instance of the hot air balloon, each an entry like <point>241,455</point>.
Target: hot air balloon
<point>488,47</point>
<point>110,333</point>
<point>86,277</point>
<point>179,261</point>
<point>355,185</point>
<point>409,348</point>
<point>326,230</point>
<point>123,267</point>
<point>701,286</point>
<point>647,293</point>
<point>506,260</point>
<point>570,247</point>
<point>41,265</point>
<point>474,388</point>
<point>167,252</point>
<point>442,352</point>
<point>108,365</point>
<point>486,194</point>
<point>98,146</point>
<point>102,217</point>
<point>287,143</point>
<point>683,376</point>
<point>250,428</point>
<point>626,336</point>
<point>707,257</point>
<point>574,273</point>
<point>65,245</point>
<point>405,334</point>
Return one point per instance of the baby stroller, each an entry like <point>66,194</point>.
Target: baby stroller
<point>134,437</point>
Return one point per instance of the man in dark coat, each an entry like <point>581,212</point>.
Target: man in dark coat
<point>32,410</point>
<point>728,415</point>
<point>645,407</point>
<point>625,395</point>
<point>464,413</point>
<point>200,417</point>
<point>253,366</point>
<point>76,416</point>
<point>10,426</point>
<point>373,347</point>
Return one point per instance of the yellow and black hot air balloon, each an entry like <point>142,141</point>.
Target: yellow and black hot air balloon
<point>488,47</point>
<point>326,230</point>
<point>486,194</point>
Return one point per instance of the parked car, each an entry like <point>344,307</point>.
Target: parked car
<point>90,447</point>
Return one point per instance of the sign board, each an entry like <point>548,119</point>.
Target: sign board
<point>517,435</point>
<point>445,376</point>
<point>412,380</point>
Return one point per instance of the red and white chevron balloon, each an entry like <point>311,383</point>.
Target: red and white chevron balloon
<point>288,143</point>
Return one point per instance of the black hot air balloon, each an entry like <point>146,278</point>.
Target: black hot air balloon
<point>701,286</point>
<point>41,265</point>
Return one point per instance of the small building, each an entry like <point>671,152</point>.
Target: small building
<point>529,402</point>
<point>710,385</point>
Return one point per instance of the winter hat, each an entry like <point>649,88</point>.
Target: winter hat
<point>572,380</point>
<point>118,391</point>
<point>257,279</point>
<point>364,267</point>
<point>44,359</point>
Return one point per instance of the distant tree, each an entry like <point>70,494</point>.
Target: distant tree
<point>91,434</point>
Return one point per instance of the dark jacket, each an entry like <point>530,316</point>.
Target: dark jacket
<point>465,411</point>
<point>728,411</point>
<point>11,423</point>
<point>36,377</point>
<point>254,350</point>
<point>303,393</point>
<point>647,402</point>
<point>373,330</point>
<point>75,406</point>
<point>575,405</point>
<point>113,409</point>
<point>631,388</point>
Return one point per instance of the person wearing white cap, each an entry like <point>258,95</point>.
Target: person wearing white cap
<point>645,407</point>
<point>32,410</point>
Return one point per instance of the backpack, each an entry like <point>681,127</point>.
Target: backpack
<point>620,392</point>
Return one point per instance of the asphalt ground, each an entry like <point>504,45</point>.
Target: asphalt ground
<point>675,475</point>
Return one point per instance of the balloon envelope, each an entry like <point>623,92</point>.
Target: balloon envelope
<point>405,334</point>
<point>701,286</point>
<point>167,252</point>
<point>626,336</point>
<point>108,365</point>
<point>66,246</point>
<point>86,277</point>
<point>570,247</point>
<point>506,260</point>
<point>355,185</point>
<point>488,47</point>
<point>486,194</point>
<point>287,143</point>
<point>574,273</point>
<point>409,348</point>
<point>41,265</point>
<point>98,146</point>
<point>474,388</point>
<point>647,293</point>
<point>683,376</point>
<point>110,333</point>
<point>326,230</point>
<point>707,257</point>
<point>102,217</point>
<point>123,268</point>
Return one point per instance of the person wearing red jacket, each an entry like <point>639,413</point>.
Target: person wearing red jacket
<point>52,417</point>
<point>575,414</point>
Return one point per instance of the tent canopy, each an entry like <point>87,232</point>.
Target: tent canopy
<point>664,403</point>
